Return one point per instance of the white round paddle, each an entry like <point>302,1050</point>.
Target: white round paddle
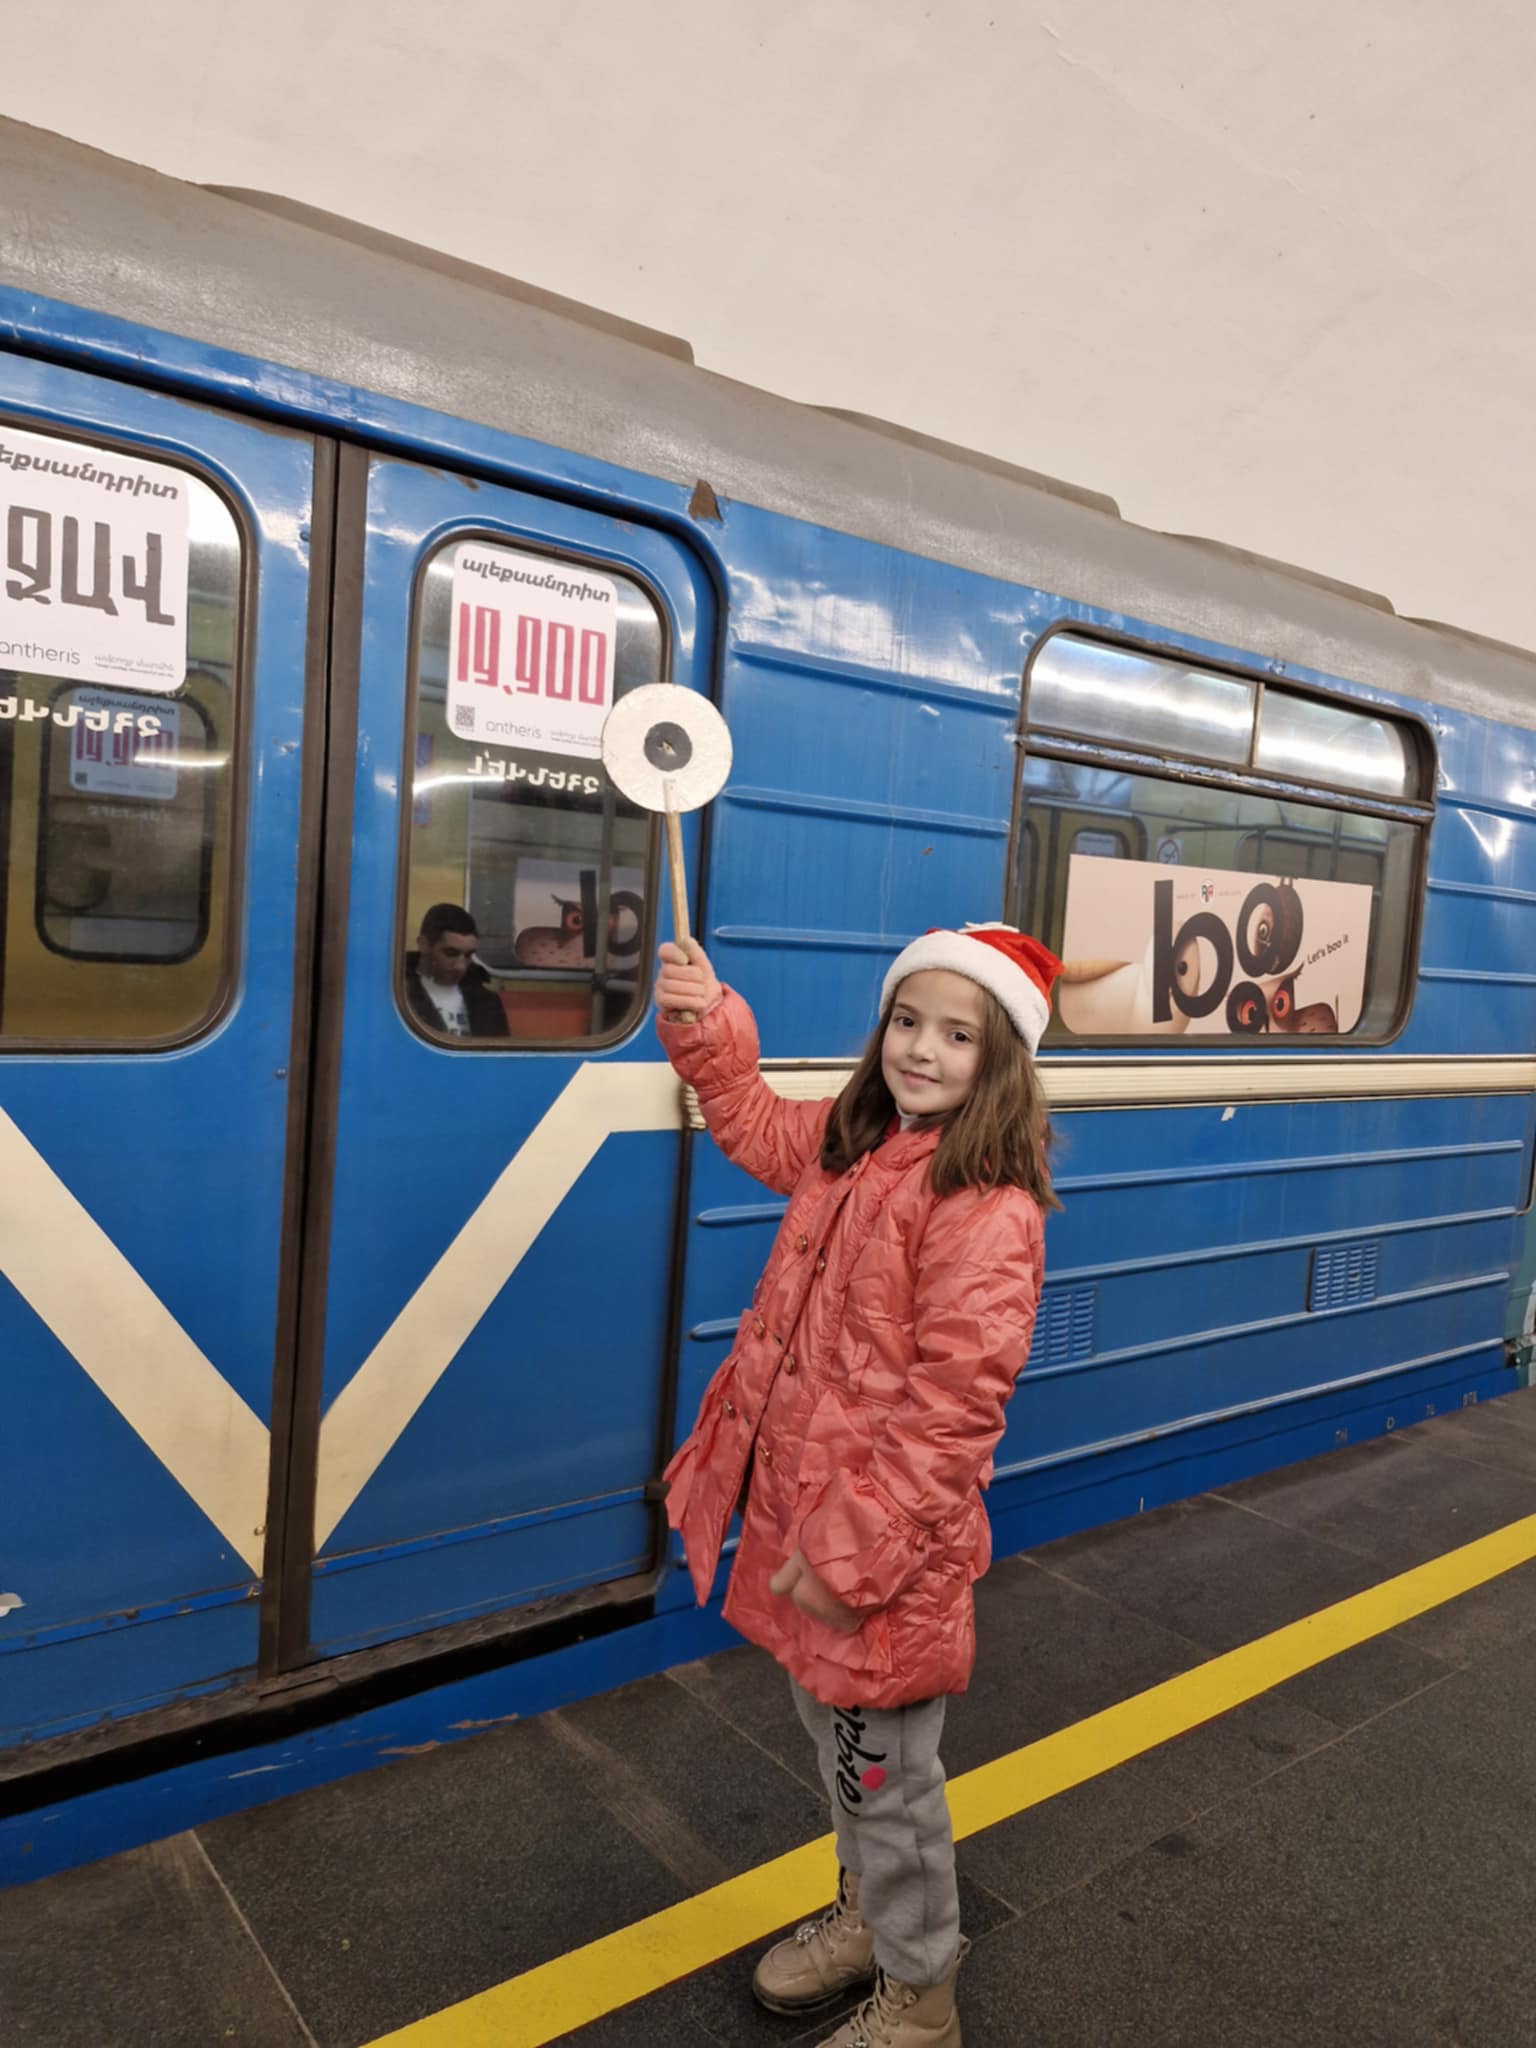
<point>669,750</point>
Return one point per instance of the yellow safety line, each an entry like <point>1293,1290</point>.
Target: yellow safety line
<point>581,1986</point>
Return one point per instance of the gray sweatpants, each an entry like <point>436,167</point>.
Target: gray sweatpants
<point>886,1786</point>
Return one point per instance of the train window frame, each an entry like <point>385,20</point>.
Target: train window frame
<point>226,986</point>
<point>555,553</point>
<point>1400,925</point>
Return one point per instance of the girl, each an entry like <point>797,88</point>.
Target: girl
<point>854,1421</point>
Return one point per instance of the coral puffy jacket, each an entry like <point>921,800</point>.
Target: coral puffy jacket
<point>864,1393</point>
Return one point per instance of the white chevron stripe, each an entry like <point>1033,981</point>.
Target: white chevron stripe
<point>367,1416</point>
<point>60,1260</point>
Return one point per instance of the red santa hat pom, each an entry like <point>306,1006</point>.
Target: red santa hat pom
<point>1016,968</point>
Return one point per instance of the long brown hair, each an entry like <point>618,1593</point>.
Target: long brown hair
<point>998,1137</point>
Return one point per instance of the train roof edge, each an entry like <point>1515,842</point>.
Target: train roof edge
<point>444,265</point>
<point>286,283</point>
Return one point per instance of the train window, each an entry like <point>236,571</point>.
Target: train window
<point>1307,740</point>
<point>525,912</point>
<point>1221,900</point>
<point>1102,692</point>
<point>117,746</point>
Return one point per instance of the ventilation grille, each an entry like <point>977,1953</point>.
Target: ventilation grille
<point>1064,1326</point>
<point>1342,1274</point>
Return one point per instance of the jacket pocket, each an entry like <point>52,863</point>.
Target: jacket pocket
<point>867,1648</point>
<point>981,1546</point>
<point>877,1374</point>
<point>848,1365</point>
<point>706,1427</point>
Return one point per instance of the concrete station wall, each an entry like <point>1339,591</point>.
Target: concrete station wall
<point>1261,272</point>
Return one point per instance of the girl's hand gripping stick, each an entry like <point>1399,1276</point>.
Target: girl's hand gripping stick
<point>669,750</point>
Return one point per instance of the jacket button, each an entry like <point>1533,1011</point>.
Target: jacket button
<point>765,1452</point>
<point>821,1265</point>
<point>801,1242</point>
<point>730,1410</point>
<point>789,1363</point>
<point>757,1329</point>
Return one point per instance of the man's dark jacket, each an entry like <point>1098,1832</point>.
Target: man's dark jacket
<point>487,1019</point>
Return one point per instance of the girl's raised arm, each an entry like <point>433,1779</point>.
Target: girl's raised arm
<point>717,1056</point>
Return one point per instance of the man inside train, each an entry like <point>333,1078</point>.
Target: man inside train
<point>445,984</point>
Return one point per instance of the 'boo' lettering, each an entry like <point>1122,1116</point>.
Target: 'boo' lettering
<point>1267,939</point>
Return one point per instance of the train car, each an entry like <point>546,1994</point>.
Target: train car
<point>350,1309</point>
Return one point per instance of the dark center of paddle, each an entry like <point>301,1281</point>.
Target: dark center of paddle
<point>668,747</point>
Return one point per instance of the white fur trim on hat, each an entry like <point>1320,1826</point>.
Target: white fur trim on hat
<point>955,953</point>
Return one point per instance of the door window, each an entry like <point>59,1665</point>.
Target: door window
<point>116,795</point>
<point>524,912</point>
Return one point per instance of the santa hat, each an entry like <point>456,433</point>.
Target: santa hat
<point>1016,968</point>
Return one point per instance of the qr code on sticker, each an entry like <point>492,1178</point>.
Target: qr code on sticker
<point>464,718</point>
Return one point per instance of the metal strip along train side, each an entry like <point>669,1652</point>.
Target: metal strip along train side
<point>1193,1083</point>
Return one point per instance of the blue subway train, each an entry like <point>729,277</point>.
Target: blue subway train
<point>355,1294</point>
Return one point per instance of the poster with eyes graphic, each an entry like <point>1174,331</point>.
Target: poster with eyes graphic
<point>1150,950</point>
<point>556,915</point>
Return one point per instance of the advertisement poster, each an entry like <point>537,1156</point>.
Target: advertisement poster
<point>1150,948</point>
<point>531,651</point>
<point>93,563</point>
<point>555,915</point>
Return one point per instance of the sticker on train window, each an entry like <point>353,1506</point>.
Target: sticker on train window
<point>531,658</point>
<point>1210,951</point>
<point>120,744</point>
<point>93,563</point>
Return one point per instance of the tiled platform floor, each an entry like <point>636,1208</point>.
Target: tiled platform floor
<point>1349,1859</point>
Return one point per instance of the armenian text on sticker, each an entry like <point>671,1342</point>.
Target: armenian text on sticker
<point>93,563</point>
<point>531,651</point>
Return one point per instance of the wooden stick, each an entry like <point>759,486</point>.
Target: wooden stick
<point>679,877</point>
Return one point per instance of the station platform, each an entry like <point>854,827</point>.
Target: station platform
<point>1253,1769</point>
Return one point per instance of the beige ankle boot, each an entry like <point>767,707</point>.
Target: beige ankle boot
<point>903,2016</point>
<point>820,1961</point>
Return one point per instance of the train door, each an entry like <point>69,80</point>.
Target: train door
<point>494,1196</point>
<point>155,571</point>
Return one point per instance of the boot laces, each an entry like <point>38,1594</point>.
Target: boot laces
<point>828,1925</point>
<point>875,2018</point>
